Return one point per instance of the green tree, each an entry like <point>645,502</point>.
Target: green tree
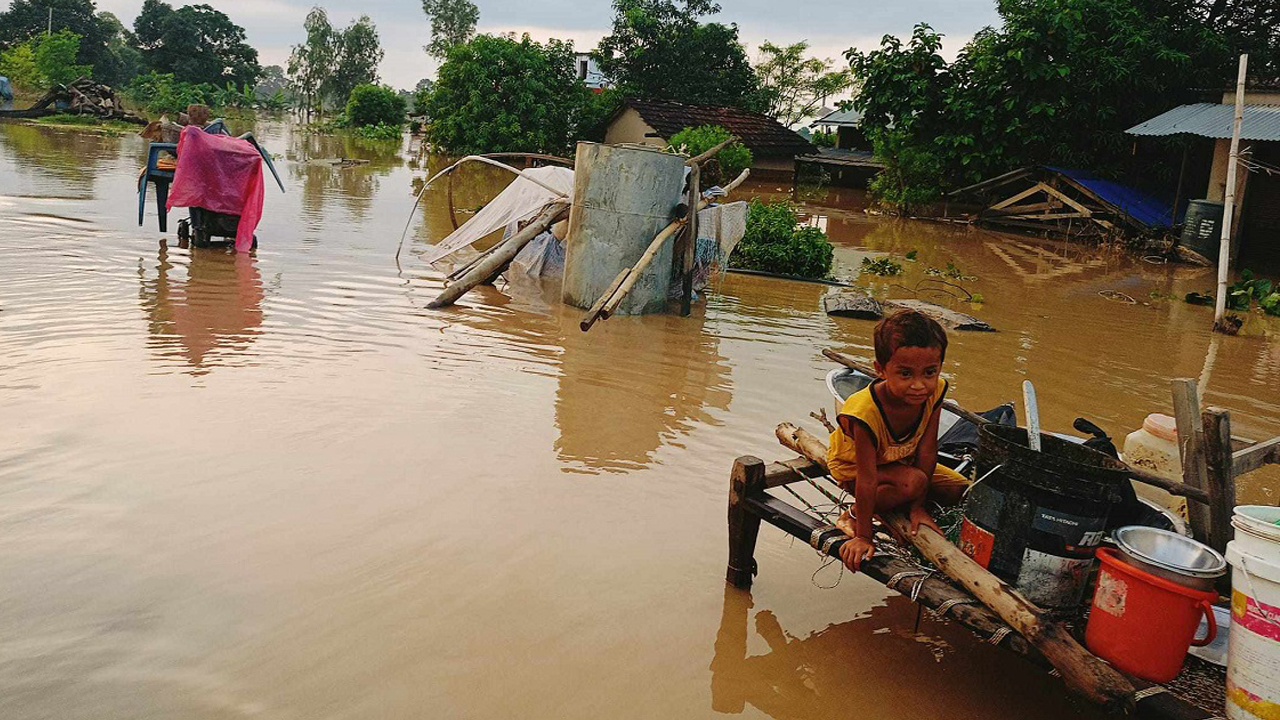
<point>497,94</point>
<point>18,63</point>
<point>795,86</point>
<point>29,19</point>
<point>122,60</point>
<point>375,105</point>
<point>311,63</point>
<point>659,50</point>
<point>725,165</point>
<point>196,44</point>
<point>55,57</point>
<point>359,53</point>
<point>453,22</point>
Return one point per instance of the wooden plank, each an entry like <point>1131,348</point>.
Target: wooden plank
<point>747,478</point>
<point>1255,456</point>
<point>1068,200</point>
<point>1045,217</point>
<point>788,471</point>
<point>997,181</point>
<point>1186,410</point>
<point>1222,483</point>
<point>1038,187</point>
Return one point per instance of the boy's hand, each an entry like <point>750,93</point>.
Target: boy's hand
<point>855,550</point>
<point>919,516</point>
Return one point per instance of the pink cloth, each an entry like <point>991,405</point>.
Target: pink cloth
<point>219,173</point>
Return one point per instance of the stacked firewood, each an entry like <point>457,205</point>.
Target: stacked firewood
<point>80,97</point>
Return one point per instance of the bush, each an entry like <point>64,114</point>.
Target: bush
<point>56,57</point>
<point>381,131</point>
<point>721,169</point>
<point>160,93</point>
<point>19,65</point>
<point>823,139</point>
<point>774,244</point>
<point>372,105</point>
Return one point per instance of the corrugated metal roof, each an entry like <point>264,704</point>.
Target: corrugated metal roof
<point>839,117</point>
<point>1261,122</point>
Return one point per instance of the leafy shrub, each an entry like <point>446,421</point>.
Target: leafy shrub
<point>774,244</point>
<point>18,63</point>
<point>381,131</point>
<point>373,105</point>
<point>56,57</point>
<point>161,93</point>
<point>884,267</point>
<point>1243,293</point>
<point>823,139</point>
<point>725,166</point>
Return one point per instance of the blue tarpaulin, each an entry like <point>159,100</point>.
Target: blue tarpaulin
<point>6,90</point>
<point>1152,211</point>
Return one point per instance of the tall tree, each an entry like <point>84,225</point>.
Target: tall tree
<point>27,19</point>
<point>311,63</point>
<point>359,53</point>
<point>122,61</point>
<point>659,49</point>
<point>453,22</point>
<point>196,43</point>
<point>496,94</point>
<point>795,86</point>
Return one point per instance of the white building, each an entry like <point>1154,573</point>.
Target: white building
<point>589,72</point>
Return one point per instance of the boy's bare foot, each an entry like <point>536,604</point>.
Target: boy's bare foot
<point>919,516</point>
<point>847,525</point>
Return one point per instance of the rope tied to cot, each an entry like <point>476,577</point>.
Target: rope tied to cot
<point>915,589</point>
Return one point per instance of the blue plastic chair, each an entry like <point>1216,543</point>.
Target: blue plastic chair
<point>163,178</point>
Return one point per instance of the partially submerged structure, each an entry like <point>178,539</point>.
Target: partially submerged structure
<point>1061,201</point>
<point>773,147</point>
<point>1205,131</point>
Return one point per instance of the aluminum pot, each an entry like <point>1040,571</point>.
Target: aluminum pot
<point>1170,556</point>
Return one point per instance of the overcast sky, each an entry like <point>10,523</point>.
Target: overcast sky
<point>831,26</point>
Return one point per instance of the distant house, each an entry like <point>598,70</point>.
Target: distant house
<point>1256,218</point>
<point>847,125</point>
<point>850,162</point>
<point>653,122</point>
<point>589,72</point>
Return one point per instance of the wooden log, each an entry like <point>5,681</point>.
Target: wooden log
<point>1081,670</point>
<point>706,155</point>
<point>505,254</point>
<point>593,313</point>
<point>1251,458</point>
<point>691,238</point>
<point>1222,482</point>
<point>1186,411</point>
<point>744,527</point>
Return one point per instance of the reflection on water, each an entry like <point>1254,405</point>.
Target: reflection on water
<point>209,312</point>
<point>483,511</point>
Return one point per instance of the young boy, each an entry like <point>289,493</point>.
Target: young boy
<point>886,445</point>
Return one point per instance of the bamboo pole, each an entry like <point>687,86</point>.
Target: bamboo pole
<point>1229,203</point>
<point>1081,670</point>
<point>594,313</point>
<point>1143,476</point>
<point>505,254</point>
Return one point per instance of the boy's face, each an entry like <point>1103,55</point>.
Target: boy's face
<point>911,375</point>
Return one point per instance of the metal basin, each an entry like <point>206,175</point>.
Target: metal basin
<point>1170,556</point>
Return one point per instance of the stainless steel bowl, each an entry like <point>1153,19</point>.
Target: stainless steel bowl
<point>1171,556</point>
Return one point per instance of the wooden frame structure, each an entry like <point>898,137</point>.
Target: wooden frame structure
<point>1044,201</point>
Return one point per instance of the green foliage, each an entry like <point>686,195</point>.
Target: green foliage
<point>884,266</point>
<point>724,166</point>
<point>1195,298</point>
<point>823,139</point>
<point>1243,293</point>
<point>453,23</point>
<point>56,56</point>
<point>28,20</point>
<point>658,49</point>
<point>773,243</point>
<point>18,63</point>
<point>912,255</point>
<point>380,131</point>
<point>160,93</point>
<point>950,271</point>
<point>794,86</point>
<point>374,106</point>
<point>498,94</point>
<point>1057,83</point>
<point>331,63</point>
<point>196,44</point>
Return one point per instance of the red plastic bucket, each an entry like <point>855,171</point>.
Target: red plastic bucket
<point>1144,624</point>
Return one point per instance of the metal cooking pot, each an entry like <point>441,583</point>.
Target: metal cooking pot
<point>1170,556</point>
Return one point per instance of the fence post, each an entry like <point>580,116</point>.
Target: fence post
<point>1186,410</point>
<point>1221,476</point>
<point>744,527</point>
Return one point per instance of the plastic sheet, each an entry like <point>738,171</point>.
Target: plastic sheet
<point>222,174</point>
<point>519,201</point>
<point>543,257</point>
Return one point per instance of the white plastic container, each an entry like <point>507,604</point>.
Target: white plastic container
<point>1253,655</point>
<point>1154,447</point>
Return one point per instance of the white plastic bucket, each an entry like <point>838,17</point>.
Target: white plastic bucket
<point>1253,656</point>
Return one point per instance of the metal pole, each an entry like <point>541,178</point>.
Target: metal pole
<point>1229,201</point>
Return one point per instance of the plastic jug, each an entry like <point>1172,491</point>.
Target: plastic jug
<point>1154,447</point>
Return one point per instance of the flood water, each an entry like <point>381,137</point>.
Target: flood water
<point>276,486</point>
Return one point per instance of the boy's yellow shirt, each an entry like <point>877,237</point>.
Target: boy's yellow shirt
<point>864,407</point>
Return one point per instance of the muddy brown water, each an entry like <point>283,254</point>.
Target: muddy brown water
<point>276,486</point>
